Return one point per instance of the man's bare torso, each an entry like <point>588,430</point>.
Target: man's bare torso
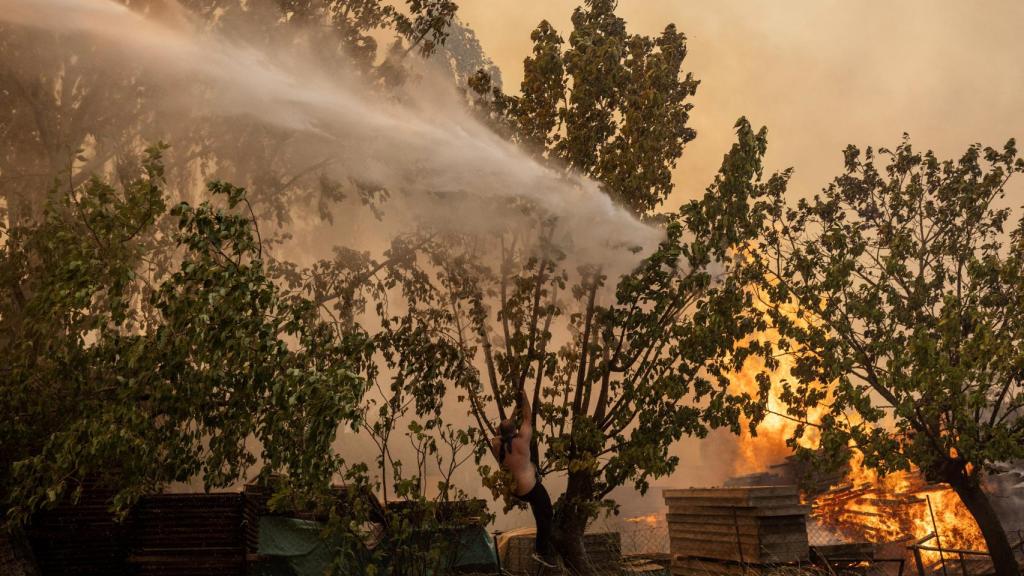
<point>517,462</point>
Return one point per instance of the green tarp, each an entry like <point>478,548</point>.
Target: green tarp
<point>475,549</point>
<point>296,547</point>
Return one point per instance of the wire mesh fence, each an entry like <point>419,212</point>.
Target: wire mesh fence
<point>614,547</point>
<point>640,535</point>
<point>819,534</point>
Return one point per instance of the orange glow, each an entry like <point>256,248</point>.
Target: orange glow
<point>769,447</point>
<point>895,508</point>
<point>863,506</point>
<point>650,520</point>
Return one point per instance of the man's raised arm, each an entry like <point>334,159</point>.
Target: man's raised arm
<point>526,426</point>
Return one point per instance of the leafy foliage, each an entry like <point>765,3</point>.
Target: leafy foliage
<point>636,372</point>
<point>611,105</point>
<point>135,381</point>
<point>640,366</point>
<point>395,323</point>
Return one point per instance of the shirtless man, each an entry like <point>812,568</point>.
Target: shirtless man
<point>512,449</point>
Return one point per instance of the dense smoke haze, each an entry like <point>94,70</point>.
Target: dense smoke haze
<point>820,74</point>
<point>438,164</point>
<point>454,173</point>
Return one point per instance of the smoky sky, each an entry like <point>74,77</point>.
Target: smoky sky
<point>820,74</point>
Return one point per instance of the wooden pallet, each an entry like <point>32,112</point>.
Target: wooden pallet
<point>759,553</point>
<point>746,525</point>
<point>737,496</point>
<point>80,539</point>
<point>188,535</point>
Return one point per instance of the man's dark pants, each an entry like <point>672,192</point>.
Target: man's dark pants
<point>543,515</point>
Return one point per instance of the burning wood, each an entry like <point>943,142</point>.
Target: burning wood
<point>899,507</point>
<point>863,507</point>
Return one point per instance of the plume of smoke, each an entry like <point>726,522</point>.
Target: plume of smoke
<point>456,173</point>
<point>1005,485</point>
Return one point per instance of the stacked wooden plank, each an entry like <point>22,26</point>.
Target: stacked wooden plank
<point>517,554</point>
<point>735,530</point>
<point>81,538</point>
<point>254,505</point>
<point>188,535</point>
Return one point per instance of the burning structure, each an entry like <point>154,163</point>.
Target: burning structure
<point>854,504</point>
<point>896,508</point>
<point>858,505</point>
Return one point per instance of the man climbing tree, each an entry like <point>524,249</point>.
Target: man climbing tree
<point>512,449</point>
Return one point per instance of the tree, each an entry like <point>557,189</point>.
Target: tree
<point>616,375</point>
<point>612,106</point>
<point>55,101</point>
<point>615,378</point>
<point>907,293</point>
<point>119,371</point>
<point>242,149</point>
<point>638,368</point>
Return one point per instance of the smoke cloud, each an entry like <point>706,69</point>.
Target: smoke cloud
<point>819,74</point>
<point>457,174</point>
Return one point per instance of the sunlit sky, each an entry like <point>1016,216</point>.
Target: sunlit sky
<point>820,74</point>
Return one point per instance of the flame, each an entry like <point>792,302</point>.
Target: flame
<point>650,520</point>
<point>768,448</point>
<point>895,508</point>
<point>863,506</point>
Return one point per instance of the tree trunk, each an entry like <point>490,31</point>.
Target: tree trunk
<point>977,502</point>
<point>572,513</point>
